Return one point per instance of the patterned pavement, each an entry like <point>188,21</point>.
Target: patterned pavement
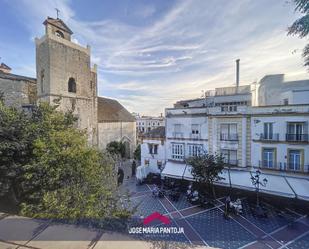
<point>207,226</point>
<point>202,226</point>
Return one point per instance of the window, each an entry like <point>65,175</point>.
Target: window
<point>150,148</point>
<point>294,159</point>
<point>195,129</point>
<point>155,149</point>
<point>59,34</point>
<point>285,101</point>
<point>72,85</point>
<point>268,131</point>
<point>228,132</point>
<point>268,159</point>
<point>195,149</point>
<point>177,131</point>
<point>229,108</point>
<point>230,156</point>
<point>146,162</point>
<point>295,132</point>
<point>178,151</point>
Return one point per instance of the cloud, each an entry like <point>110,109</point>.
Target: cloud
<point>145,11</point>
<point>191,47</point>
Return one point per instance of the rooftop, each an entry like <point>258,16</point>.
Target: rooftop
<point>58,23</point>
<point>158,132</point>
<point>110,110</point>
<point>11,76</point>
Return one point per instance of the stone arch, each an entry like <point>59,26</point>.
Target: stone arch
<point>59,34</point>
<point>127,145</point>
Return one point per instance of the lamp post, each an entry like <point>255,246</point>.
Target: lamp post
<point>230,182</point>
<point>256,182</point>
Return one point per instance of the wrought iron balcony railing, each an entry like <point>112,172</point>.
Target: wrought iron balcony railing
<point>297,137</point>
<point>269,137</point>
<point>177,134</point>
<point>231,162</point>
<point>228,137</point>
<point>195,136</point>
<point>283,166</point>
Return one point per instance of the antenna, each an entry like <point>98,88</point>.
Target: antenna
<point>237,75</point>
<point>57,10</point>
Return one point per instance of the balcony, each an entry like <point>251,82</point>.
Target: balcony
<point>297,137</point>
<point>177,135</point>
<point>231,162</point>
<point>228,137</point>
<point>178,157</point>
<point>269,137</point>
<point>283,166</point>
<point>195,136</point>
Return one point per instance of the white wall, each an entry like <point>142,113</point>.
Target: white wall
<point>279,126</point>
<point>153,158</point>
<point>186,131</point>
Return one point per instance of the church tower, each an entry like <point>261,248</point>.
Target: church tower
<point>64,72</point>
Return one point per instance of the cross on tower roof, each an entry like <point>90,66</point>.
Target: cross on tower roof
<point>57,10</point>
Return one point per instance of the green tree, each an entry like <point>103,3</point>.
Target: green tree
<point>206,169</point>
<point>15,149</point>
<point>116,149</point>
<point>51,168</point>
<point>137,153</point>
<point>1,96</point>
<point>301,26</point>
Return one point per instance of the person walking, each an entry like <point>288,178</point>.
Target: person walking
<point>133,168</point>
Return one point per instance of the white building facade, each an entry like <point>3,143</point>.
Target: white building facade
<point>145,124</point>
<point>280,138</point>
<point>153,156</point>
<point>263,125</point>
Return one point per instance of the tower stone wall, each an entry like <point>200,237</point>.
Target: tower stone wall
<point>64,72</point>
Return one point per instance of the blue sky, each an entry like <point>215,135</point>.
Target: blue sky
<point>153,53</point>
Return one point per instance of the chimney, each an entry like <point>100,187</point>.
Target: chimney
<point>237,75</point>
<point>5,68</point>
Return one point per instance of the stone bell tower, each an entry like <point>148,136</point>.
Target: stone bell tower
<point>64,72</point>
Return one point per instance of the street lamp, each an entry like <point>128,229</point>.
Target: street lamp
<point>256,182</point>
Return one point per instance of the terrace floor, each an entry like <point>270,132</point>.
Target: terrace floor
<point>207,226</point>
<point>204,227</point>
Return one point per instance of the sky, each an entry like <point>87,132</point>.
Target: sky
<point>151,54</point>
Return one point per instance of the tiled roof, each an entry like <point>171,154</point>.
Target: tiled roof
<point>10,76</point>
<point>5,66</point>
<point>110,110</point>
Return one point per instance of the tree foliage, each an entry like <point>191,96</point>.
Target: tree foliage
<point>116,148</point>
<point>300,27</point>
<point>137,153</point>
<point>50,168</point>
<point>206,168</point>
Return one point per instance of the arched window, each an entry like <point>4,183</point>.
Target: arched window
<point>72,85</point>
<point>59,34</point>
